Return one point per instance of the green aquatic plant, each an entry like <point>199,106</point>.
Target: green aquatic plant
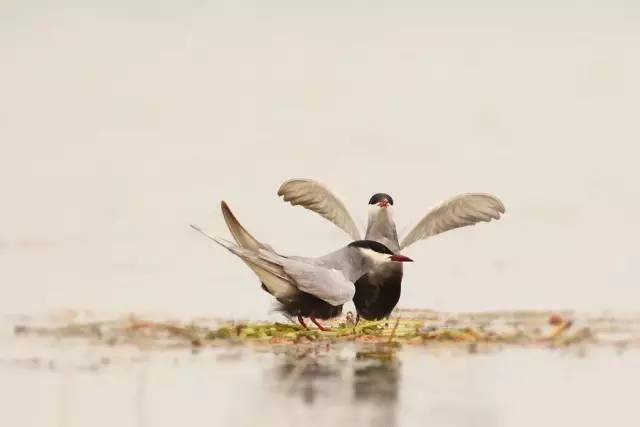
<point>412,328</point>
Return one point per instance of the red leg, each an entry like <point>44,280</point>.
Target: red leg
<point>322,328</point>
<point>301,320</point>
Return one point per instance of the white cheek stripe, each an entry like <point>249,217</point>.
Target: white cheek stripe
<point>377,257</point>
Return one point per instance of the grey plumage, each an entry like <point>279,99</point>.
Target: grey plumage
<point>459,211</point>
<point>378,292</point>
<point>315,196</point>
<point>312,276</point>
<point>382,228</point>
<point>330,278</point>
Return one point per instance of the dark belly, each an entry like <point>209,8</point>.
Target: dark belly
<point>378,293</point>
<point>307,305</point>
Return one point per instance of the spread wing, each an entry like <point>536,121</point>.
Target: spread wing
<point>316,197</point>
<point>459,211</point>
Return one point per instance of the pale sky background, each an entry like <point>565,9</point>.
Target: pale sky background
<point>122,122</point>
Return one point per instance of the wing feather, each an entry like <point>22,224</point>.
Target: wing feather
<point>459,211</point>
<point>328,284</point>
<point>270,273</point>
<point>285,277</point>
<point>316,197</point>
<point>239,233</point>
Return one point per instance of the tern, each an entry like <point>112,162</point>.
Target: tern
<point>378,292</point>
<point>306,287</point>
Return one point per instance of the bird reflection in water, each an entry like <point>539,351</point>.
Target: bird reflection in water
<point>376,380</point>
<point>307,374</point>
<point>376,376</point>
<point>367,379</point>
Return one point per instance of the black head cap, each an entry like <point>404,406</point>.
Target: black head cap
<point>378,197</point>
<point>370,244</point>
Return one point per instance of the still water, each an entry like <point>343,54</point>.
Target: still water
<point>72,383</point>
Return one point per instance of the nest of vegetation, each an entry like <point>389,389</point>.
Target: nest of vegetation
<point>405,327</point>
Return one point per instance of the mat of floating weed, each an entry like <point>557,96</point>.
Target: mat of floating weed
<point>408,327</point>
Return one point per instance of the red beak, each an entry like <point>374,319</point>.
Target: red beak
<point>383,203</point>
<point>400,258</point>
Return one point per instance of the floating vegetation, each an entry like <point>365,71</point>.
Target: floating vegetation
<point>413,328</point>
